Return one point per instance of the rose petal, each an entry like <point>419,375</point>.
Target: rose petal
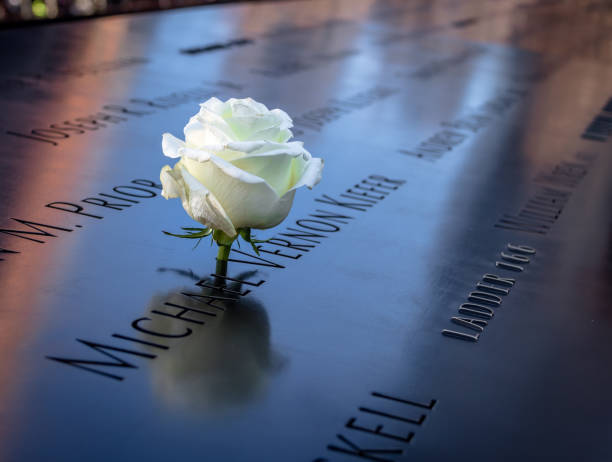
<point>170,187</point>
<point>251,148</point>
<point>246,107</point>
<point>285,121</point>
<point>171,145</point>
<point>237,167</point>
<point>311,175</point>
<point>281,165</point>
<point>199,203</point>
<point>214,105</point>
<point>275,169</point>
<point>284,136</point>
<point>247,199</point>
<point>199,134</point>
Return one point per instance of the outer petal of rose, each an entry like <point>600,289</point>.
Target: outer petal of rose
<point>171,145</point>
<point>280,164</point>
<point>276,169</point>
<point>247,199</point>
<point>171,188</point>
<point>174,148</point>
<point>311,175</point>
<point>285,121</point>
<point>263,147</point>
<point>199,203</point>
<point>284,136</point>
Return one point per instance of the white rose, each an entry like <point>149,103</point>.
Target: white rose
<point>237,168</point>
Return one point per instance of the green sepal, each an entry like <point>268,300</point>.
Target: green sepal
<point>192,233</point>
<point>223,239</point>
<point>245,233</point>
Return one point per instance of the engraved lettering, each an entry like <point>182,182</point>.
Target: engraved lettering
<point>318,225</point>
<point>49,133</point>
<point>258,260</point>
<point>119,198</point>
<point>332,216</point>
<point>508,266</point>
<point>136,325</point>
<point>239,281</point>
<point>278,252</point>
<point>33,225</point>
<point>371,189</point>
<point>514,258</point>
<point>471,323</point>
<point>124,110</point>
<point>100,348</point>
<point>148,192</point>
<point>350,205</point>
<point>494,279</point>
<point>485,297</point>
<point>143,342</point>
<point>290,245</point>
<point>181,314</point>
<point>104,203</point>
<point>359,198</point>
<point>36,138</point>
<point>6,251</point>
<point>380,185</point>
<point>69,128</point>
<point>522,249</point>
<point>497,290</point>
<point>393,416</point>
<point>209,300</point>
<point>429,405</point>
<point>365,194</point>
<point>460,335</point>
<point>73,208</point>
<point>378,431</point>
<point>475,309</point>
<point>142,182</point>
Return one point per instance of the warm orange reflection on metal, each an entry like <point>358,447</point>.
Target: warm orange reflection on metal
<point>37,264</point>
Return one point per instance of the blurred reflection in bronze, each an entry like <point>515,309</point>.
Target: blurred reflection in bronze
<point>222,367</point>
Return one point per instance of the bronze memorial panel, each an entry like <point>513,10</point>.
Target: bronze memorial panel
<point>443,294</point>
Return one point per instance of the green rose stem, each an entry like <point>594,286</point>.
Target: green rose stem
<point>225,245</point>
<point>223,253</point>
<point>220,270</point>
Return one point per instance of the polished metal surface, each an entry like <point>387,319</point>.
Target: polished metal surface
<point>459,310</point>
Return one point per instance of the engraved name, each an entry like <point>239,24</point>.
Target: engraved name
<point>118,198</point>
<point>113,114</point>
<point>391,421</point>
<point>459,130</point>
<point>544,207</point>
<point>316,119</point>
<point>479,308</point>
<point>289,245</point>
<point>600,128</point>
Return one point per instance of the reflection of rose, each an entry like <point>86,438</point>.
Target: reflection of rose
<point>237,168</point>
<point>222,364</point>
